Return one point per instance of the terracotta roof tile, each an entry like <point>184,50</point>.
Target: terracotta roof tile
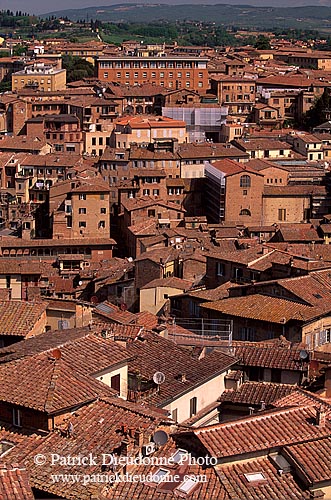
<point>263,308</point>
<point>18,318</point>
<point>47,384</point>
<point>171,282</point>
<point>313,458</point>
<point>14,483</point>
<point>255,392</point>
<point>267,356</point>
<point>265,431</point>
<point>273,487</point>
<point>154,353</point>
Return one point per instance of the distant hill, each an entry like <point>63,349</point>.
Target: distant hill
<point>245,16</point>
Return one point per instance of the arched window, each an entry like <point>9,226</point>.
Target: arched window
<point>245,181</point>
<point>245,211</point>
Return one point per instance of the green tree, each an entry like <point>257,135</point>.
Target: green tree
<point>262,43</point>
<point>319,112</point>
<point>77,68</point>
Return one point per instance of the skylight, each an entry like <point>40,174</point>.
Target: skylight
<point>187,485</point>
<point>256,476</point>
<point>179,456</point>
<point>159,475</point>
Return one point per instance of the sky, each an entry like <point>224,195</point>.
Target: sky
<point>44,6</point>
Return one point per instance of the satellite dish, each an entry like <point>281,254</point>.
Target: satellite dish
<point>160,437</point>
<point>80,283</point>
<point>303,355</point>
<point>158,378</point>
<point>56,353</point>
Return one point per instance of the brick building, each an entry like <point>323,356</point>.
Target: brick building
<point>234,193</point>
<point>165,70</point>
<point>81,210</point>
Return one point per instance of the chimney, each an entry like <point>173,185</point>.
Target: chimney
<point>126,447</point>
<point>132,432</point>
<point>320,416</point>
<point>139,438</point>
<point>183,377</point>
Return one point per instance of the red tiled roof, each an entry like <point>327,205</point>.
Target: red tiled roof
<point>150,122</point>
<point>47,384</point>
<point>300,397</point>
<point>313,458</point>
<point>171,282</point>
<point>263,308</point>
<point>231,167</point>
<point>255,392</point>
<point>267,356</point>
<point>265,431</point>
<point>18,317</point>
<point>274,487</point>
<point>147,319</point>
<point>14,483</point>
<point>154,353</point>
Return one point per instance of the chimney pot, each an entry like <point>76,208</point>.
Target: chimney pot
<point>320,416</point>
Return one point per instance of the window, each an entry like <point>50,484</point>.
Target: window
<point>82,196</point>
<point>159,474</point>
<point>62,324</point>
<point>103,210</point>
<point>174,415</point>
<point>151,213</point>
<point>82,223</point>
<point>115,383</point>
<point>8,280</point>
<point>246,333</point>
<point>82,210</point>
<point>188,484</point>
<point>102,224</point>
<point>156,192</point>
<point>220,269</point>
<point>245,181</point>
<point>145,192</point>
<point>257,476</point>
<point>102,196</point>
<point>94,141</point>
<point>193,406</point>
<point>69,221</point>
<point>245,211</point>
<point>282,214</point>
<point>179,455</point>
<point>17,417</point>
